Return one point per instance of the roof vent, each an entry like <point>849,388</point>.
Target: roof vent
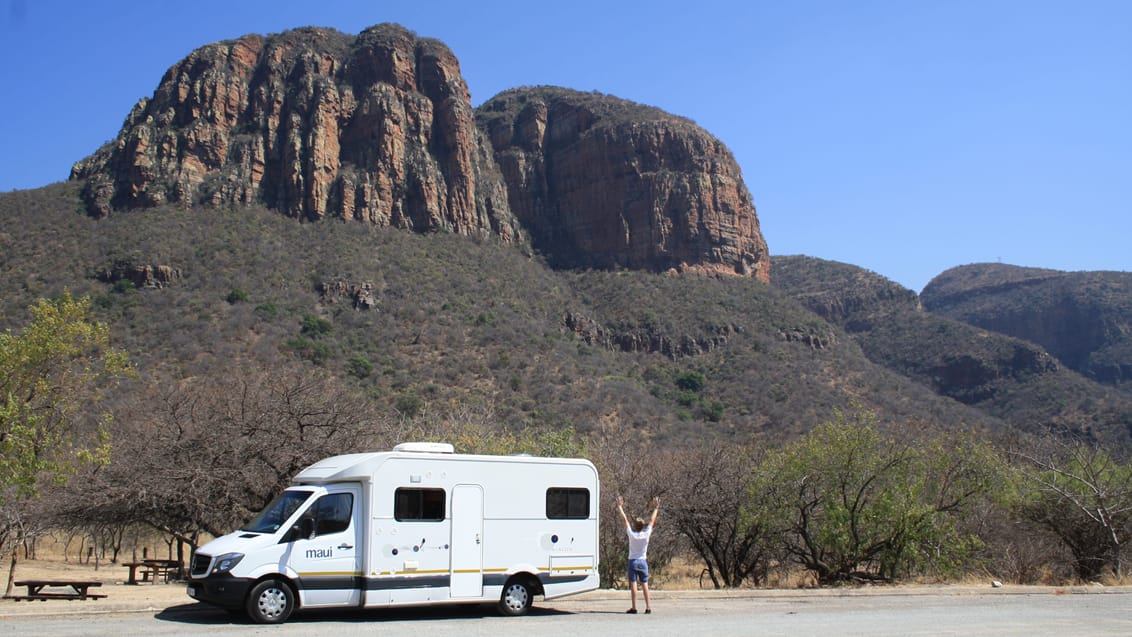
<point>425,447</point>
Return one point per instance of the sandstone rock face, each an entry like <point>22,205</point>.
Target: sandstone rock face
<point>380,128</point>
<point>312,123</point>
<point>142,275</point>
<point>360,295</point>
<point>602,182</point>
<point>594,333</point>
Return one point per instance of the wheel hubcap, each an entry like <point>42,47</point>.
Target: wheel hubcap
<point>516,597</point>
<point>272,602</point>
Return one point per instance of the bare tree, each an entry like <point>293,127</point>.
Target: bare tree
<point>711,507</point>
<point>203,456</point>
<point>1084,496</point>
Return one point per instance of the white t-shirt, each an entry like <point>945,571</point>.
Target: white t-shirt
<point>639,543</point>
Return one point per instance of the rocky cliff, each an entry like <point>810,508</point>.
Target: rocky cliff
<point>1082,318</point>
<point>311,123</point>
<point>602,182</point>
<point>380,128</point>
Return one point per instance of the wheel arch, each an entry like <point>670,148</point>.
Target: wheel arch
<point>282,578</point>
<point>531,579</point>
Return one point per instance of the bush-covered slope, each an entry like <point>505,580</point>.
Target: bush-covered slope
<point>451,321</point>
<point>1005,377</point>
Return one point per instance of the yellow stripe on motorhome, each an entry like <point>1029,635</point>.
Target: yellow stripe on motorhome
<point>331,574</point>
<point>422,572</point>
<point>541,570</point>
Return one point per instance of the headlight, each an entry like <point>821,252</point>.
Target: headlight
<point>227,562</point>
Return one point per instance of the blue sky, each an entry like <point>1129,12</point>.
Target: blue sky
<point>905,137</point>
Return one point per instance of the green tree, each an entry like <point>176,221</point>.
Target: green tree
<point>315,327</point>
<point>359,366</point>
<point>691,381</point>
<point>237,295</point>
<point>854,503</point>
<point>53,376</point>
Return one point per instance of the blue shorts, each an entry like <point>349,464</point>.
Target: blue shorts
<point>639,571</point>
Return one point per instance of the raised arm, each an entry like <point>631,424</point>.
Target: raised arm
<point>655,510</point>
<point>621,510</point>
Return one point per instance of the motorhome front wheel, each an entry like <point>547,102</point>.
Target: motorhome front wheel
<point>270,602</point>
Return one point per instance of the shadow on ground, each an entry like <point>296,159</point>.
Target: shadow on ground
<point>205,615</point>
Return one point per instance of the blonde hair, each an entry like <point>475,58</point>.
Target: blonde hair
<point>638,525</point>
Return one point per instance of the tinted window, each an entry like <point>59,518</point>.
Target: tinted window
<point>332,513</point>
<point>422,505</point>
<point>567,504</point>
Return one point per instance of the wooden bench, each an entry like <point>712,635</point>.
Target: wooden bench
<point>79,590</point>
<point>151,570</point>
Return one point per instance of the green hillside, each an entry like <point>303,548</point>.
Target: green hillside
<point>454,322</point>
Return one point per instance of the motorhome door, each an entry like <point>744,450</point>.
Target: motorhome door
<point>467,541</point>
<point>328,559</point>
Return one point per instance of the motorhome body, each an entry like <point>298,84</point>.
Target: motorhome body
<point>416,525</point>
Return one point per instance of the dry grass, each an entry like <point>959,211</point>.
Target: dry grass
<point>688,573</point>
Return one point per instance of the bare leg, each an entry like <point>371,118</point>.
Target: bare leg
<point>633,594</point>
<point>648,603</point>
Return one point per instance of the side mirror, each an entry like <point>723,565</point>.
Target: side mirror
<point>306,527</point>
<point>301,530</point>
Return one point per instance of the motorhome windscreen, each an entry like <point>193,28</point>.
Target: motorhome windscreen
<point>276,513</point>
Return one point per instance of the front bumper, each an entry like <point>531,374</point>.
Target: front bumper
<point>224,590</point>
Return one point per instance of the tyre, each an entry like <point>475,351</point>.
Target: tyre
<point>270,602</point>
<point>516,598</point>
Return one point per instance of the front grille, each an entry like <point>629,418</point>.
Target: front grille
<point>200,565</point>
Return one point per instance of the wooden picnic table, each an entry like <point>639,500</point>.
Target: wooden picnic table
<point>153,569</point>
<point>79,590</point>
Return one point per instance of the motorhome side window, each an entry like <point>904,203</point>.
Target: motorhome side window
<point>567,504</point>
<point>418,505</point>
<point>332,513</point>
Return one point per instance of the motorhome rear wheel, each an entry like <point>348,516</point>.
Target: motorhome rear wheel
<point>517,598</point>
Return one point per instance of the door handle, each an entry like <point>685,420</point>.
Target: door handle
<point>345,546</point>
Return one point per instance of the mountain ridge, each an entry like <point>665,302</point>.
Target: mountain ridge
<point>379,128</point>
<point>1082,318</point>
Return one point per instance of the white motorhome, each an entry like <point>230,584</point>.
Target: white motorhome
<point>416,525</point>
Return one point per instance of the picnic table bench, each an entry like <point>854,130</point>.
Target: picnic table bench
<point>151,570</point>
<point>79,590</point>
